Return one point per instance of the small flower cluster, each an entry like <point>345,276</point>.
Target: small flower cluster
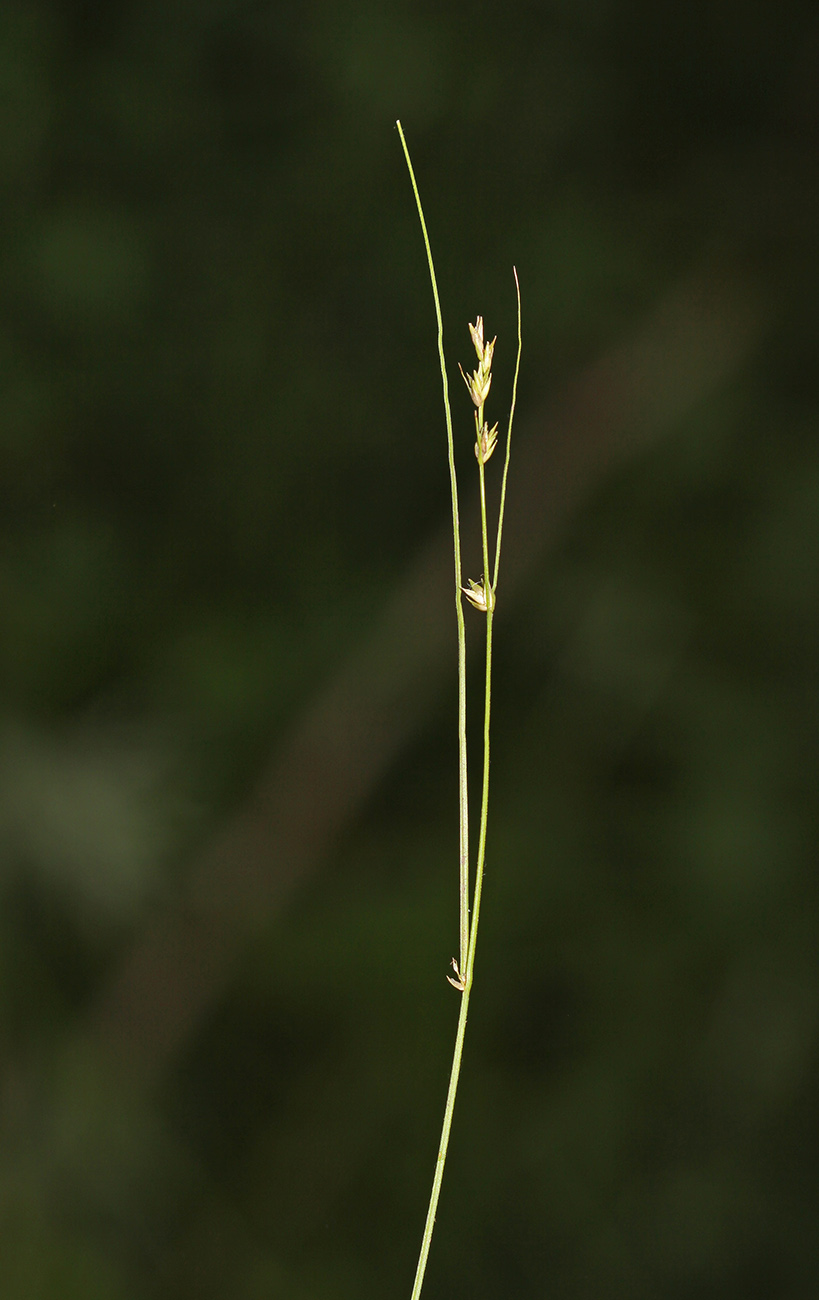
<point>478,385</point>
<point>480,594</point>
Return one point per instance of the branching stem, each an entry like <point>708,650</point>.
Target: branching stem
<point>482,595</point>
<point>463,791</point>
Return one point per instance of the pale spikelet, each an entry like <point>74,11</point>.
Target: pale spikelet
<point>486,442</point>
<point>476,332</point>
<point>480,595</point>
<point>478,383</point>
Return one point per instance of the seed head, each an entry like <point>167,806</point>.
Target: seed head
<point>480,380</point>
<point>476,331</point>
<point>482,349</point>
<point>486,442</point>
<point>478,384</point>
<point>479,595</point>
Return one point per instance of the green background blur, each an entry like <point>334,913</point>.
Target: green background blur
<point>228,779</point>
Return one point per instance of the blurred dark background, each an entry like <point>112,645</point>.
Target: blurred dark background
<point>228,806</point>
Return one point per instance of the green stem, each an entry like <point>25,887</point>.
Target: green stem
<point>463,794</point>
<point>487,705</point>
<point>468,974</point>
<point>487,586</point>
<point>508,441</point>
<point>476,901</point>
<point>443,1145</point>
<point>468,933</point>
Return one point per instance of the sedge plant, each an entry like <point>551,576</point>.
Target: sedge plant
<point>482,595</point>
